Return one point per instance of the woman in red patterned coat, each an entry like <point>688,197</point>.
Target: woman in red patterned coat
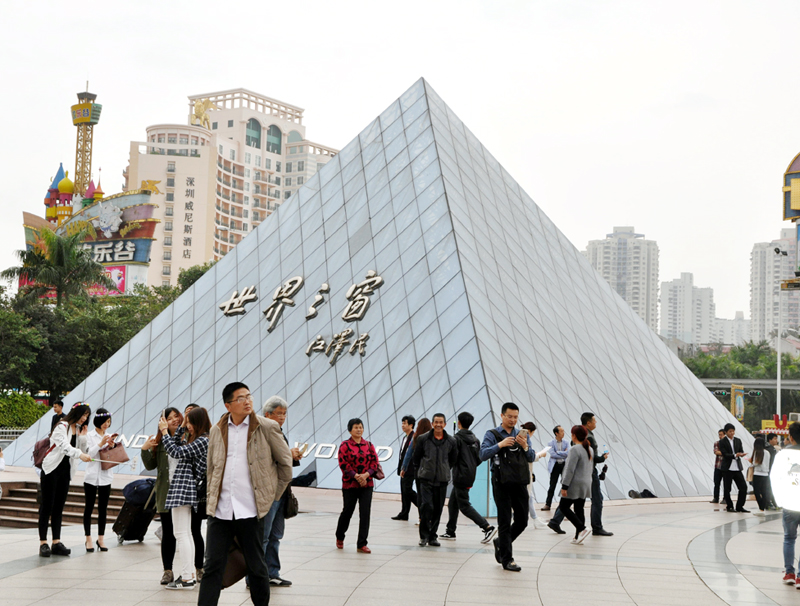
<point>359,463</point>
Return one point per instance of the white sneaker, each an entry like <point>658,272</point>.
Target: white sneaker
<point>537,523</point>
<point>582,535</point>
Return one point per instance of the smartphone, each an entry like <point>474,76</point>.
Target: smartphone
<point>162,413</point>
<point>523,433</point>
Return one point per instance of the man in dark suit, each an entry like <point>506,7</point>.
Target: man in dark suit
<point>407,493</point>
<point>58,407</point>
<point>732,453</point>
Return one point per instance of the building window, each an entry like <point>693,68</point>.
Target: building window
<point>233,154</point>
<point>170,196</point>
<point>247,170</point>
<point>277,180</point>
<point>221,152</point>
<point>170,182</point>
<point>278,193</point>
<point>258,160</point>
<point>167,240</point>
<point>170,167</point>
<point>247,157</point>
<point>247,200</point>
<point>244,226</point>
<point>253,133</point>
<point>168,226</point>
<point>230,123</point>
<point>274,139</point>
<point>172,139</point>
<point>268,163</point>
<point>166,270</point>
<point>300,180</point>
<point>168,211</point>
<point>184,140</point>
<point>244,213</point>
<point>301,166</point>
<point>288,179</point>
<point>277,167</point>
<point>286,195</point>
<point>288,167</point>
<point>213,126</point>
<point>160,138</point>
<point>246,186</point>
<point>167,255</point>
<point>166,282</point>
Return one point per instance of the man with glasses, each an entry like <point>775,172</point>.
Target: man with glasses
<point>249,466</point>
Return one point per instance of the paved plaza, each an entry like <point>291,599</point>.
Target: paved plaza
<point>664,551</point>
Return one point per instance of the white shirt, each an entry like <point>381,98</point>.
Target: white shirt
<point>237,500</point>
<point>95,474</point>
<point>736,459</point>
<point>60,440</point>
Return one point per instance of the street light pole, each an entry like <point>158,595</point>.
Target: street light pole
<point>780,253</point>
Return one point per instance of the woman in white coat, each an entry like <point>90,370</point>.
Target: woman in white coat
<point>97,481</point>
<point>58,466</point>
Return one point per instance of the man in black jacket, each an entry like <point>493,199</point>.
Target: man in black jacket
<point>407,494</point>
<point>434,454</point>
<point>732,453</point>
<point>469,457</point>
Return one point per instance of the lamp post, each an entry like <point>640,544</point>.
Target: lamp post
<point>780,253</point>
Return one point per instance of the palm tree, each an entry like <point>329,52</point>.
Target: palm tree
<point>60,264</point>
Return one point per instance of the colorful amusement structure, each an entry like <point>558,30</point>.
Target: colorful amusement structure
<point>119,229</point>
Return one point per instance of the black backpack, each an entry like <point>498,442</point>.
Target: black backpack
<point>513,467</point>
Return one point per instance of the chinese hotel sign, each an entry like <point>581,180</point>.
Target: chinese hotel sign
<point>358,301</point>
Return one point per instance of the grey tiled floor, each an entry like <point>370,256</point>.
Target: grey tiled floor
<point>662,553</point>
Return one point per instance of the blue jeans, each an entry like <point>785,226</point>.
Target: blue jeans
<point>791,519</point>
<point>274,526</point>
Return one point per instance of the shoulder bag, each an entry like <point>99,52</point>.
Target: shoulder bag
<point>750,473</point>
<point>291,507</point>
<point>379,475</point>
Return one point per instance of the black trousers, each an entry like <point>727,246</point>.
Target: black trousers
<point>761,490</point>
<point>737,478</point>
<point>249,533</point>
<point>55,486</point>
<point>597,505</point>
<point>90,492</point>
<point>459,501</point>
<point>558,468</point>
<point>407,495</point>
<point>431,504</point>
<point>512,504</point>
<point>577,517</point>
<point>350,496</point>
<point>717,482</point>
<point>168,539</point>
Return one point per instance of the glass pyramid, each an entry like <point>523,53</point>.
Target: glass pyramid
<point>483,301</point>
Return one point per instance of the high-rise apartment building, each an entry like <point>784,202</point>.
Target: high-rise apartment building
<point>217,177</point>
<point>732,332</point>
<point>687,312</point>
<point>629,263</point>
<point>767,269</point>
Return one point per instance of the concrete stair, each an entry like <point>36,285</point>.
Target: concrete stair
<point>19,509</point>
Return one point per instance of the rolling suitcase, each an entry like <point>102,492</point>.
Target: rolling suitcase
<point>133,520</point>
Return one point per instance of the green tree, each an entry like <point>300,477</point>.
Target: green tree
<point>187,277</point>
<point>19,344</point>
<point>58,263</point>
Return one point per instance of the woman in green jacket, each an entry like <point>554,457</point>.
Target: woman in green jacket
<point>154,456</point>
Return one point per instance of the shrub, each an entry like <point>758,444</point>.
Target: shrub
<point>19,410</point>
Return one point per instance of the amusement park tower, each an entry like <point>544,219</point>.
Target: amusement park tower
<point>85,114</point>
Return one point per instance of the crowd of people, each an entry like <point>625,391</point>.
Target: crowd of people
<point>236,475</point>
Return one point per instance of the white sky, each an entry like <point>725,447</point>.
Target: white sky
<point>678,118</point>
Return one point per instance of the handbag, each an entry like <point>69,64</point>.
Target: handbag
<point>41,450</point>
<point>114,455</point>
<point>379,475</point>
<point>291,507</point>
<point>750,474</point>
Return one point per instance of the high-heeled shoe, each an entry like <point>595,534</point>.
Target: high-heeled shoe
<point>89,549</point>
<point>99,547</point>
